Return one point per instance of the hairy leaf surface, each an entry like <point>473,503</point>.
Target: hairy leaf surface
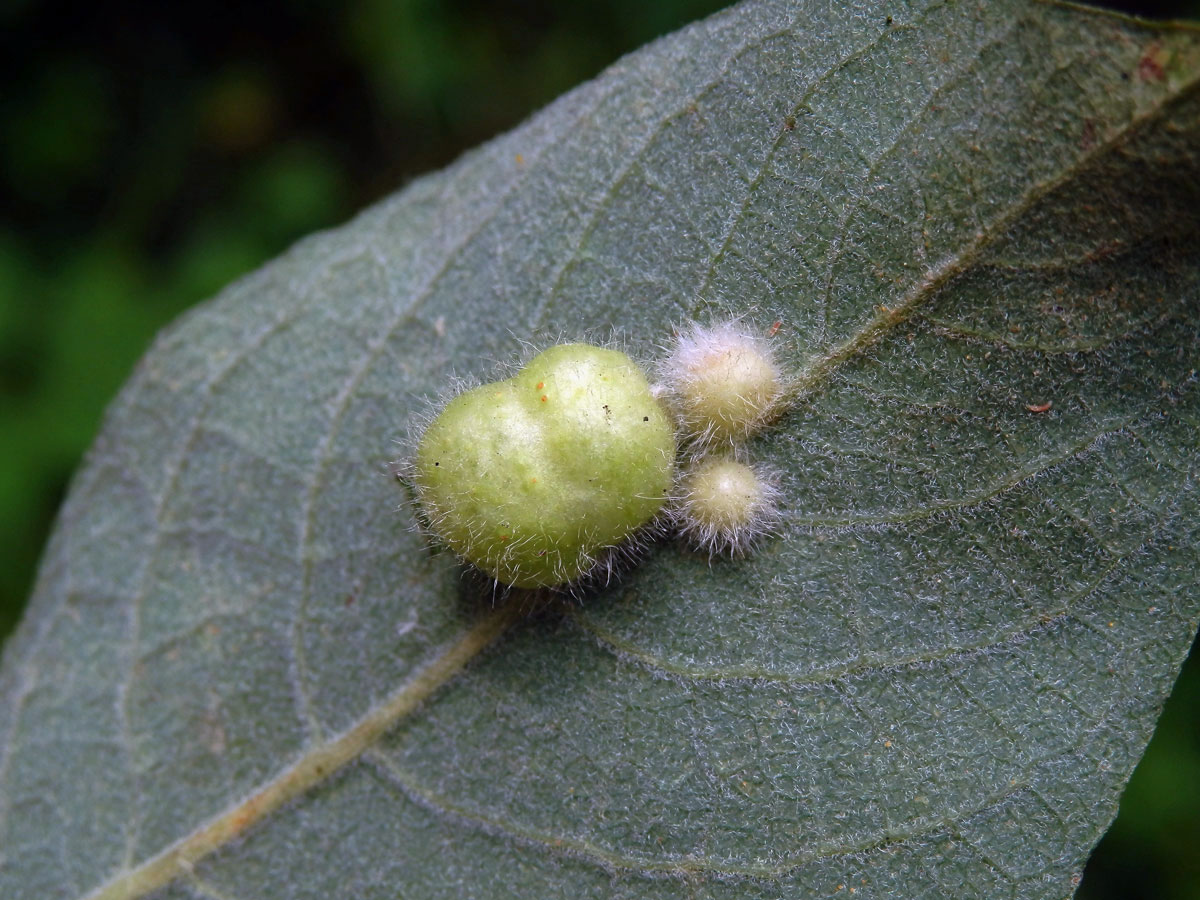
<point>245,676</point>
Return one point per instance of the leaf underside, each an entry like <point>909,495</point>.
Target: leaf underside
<point>244,675</point>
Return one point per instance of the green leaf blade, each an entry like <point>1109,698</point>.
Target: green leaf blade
<point>232,681</point>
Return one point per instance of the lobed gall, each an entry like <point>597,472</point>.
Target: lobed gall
<point>724,382</point>
<point>724,506</point>
<point>535,477</point>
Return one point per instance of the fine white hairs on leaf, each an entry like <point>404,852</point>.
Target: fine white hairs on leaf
<point>724,506</point>
<point>723,381</point>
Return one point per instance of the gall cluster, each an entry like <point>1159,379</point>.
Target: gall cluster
<point>547,477</point>
<point>724,385</point>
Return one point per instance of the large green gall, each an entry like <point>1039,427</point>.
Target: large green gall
<point>535,478</point>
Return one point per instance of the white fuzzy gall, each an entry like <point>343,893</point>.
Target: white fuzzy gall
<point>723,382</point>
<point>725,506</point>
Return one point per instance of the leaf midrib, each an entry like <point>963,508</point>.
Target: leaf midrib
<point>312,768</point>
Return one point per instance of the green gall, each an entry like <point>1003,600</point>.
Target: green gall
<point>535,477</point>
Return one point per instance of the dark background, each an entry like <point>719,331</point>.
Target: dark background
<point>149,154</point>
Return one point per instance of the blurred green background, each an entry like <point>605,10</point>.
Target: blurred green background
<point>149,154</point>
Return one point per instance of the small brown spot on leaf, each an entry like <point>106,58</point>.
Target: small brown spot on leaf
<point>1150,66</point>
<point>1087,140</point>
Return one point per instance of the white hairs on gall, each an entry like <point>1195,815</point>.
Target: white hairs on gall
<point>723,381</point>
<point>724,506</point>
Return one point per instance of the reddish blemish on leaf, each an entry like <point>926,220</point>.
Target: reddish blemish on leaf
<point>1088,139</point>
<point>1150,66</point>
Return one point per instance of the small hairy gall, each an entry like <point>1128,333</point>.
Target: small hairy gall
<point>725,505</point>
<point>534,477</point>
<point>724,381</point>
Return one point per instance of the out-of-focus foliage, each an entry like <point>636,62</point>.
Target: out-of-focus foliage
<point>1150,851</point>
<point>150,155</point>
